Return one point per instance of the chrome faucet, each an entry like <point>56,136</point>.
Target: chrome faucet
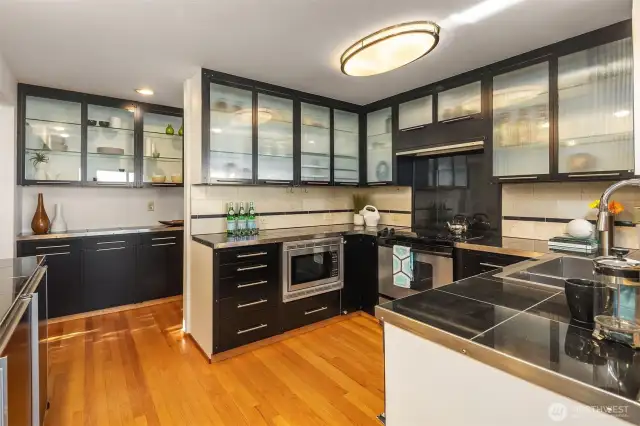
<point>603,213</point>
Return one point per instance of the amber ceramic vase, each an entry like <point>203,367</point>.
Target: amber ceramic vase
<point>40,222</point>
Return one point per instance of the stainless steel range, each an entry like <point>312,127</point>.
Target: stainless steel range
<point>311,267</point>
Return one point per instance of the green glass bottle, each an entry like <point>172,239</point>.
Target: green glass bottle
<point>251,220</point>
<point>241,223</point>
<point>231,219</point>
<point>181,130</point>
<point>169,130</point>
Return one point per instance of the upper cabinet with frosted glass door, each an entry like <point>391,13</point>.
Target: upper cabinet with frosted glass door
<point>346,148</point>
<point>315,144</point>
<point>521,130</point>
<point>275,139</point>
<point>51,131</point>
<point>162,147</point>
<point>380,147</point>
<point>595,112</point>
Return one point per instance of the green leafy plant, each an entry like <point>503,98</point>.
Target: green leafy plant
<point>359,201</point>
<point>38,158</point>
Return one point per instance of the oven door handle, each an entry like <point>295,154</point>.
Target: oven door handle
<point>433,253</point>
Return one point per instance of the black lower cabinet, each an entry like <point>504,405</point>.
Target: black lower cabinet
<point>360,290</point>
<point>158,270</point>
<point>298,313</point>
<point>468,263</point>
<point>109,277</point>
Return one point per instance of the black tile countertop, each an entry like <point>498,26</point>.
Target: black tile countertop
<point>525,330</point>
<point>219,241</point>
<point>100,231</point>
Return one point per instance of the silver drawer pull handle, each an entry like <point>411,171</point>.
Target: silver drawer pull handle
<point>163,244</point>
<point>50,247</point>
<point>406,129</point>
<point>262,253</point>
<point>58,254</point>
<point>257,302</point>
<point>252,329</point>
<point>594,175</point>
<point>110,242</point>
<point>518,177</point>
<point>315,310</point>
<point>490,265</point>
<point>114,248</point>
<point>249,268</point>
<point>163,238</point>
<point>251,284</point>
<point>52,182</point>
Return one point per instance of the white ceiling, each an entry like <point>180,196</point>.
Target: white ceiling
<point>111,47</point>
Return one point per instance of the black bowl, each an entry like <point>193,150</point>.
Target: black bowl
<point>103,123</point>
<point>92,122</point>
<point>580,298</point>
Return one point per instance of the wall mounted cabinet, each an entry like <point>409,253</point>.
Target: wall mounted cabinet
<point>256,133</point>
<point>74,139</point>
<point>380,156</point>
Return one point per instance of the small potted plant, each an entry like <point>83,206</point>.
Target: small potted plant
<point>359,201</point>
<point>38,159</point>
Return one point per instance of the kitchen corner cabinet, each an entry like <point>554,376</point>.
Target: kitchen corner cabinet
<point>360,291</point>
<point>469,263</point>
<point>159,266</point>
<point>75,139</point>
<point>256,133</point>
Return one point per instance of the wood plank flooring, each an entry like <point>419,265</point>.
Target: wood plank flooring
<point>137,368</point>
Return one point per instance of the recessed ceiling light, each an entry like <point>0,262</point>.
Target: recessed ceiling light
<point>145,92</point>
<point>312,141</point>
<point>64,135</point>
<point>480,11</point>
<point>58,128</point>
<point>132,108</point>
<point>622,113</point>
<point>390,48</point>
<point>216,130</point>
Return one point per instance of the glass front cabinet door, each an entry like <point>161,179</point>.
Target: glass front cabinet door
<point>231,134</point>
<point>162,149</point>
<point>415,114</point>
<point>595,111</point>
<point>52,140</point>
<point>275,139</point>
<point>110,145</point>
<point>315,148</point>
<point>521,122</point>
<point>460,103</point>
<point>379,147</point>
<point>346,148</point>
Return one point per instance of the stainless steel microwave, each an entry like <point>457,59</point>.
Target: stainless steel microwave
<point>311,267</point>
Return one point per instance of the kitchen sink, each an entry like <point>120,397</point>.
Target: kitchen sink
<point>553,272</point>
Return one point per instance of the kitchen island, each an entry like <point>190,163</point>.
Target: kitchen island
<point>498,349</point>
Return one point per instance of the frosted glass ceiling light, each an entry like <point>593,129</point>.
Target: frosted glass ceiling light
<point>390,48</point>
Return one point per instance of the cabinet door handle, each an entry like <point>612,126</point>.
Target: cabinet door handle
<point>376,183</point>
<point>50,247</point>
<point>407,129</point>
<point>58,254</point>
<point>518,177</point>
<point>229,180</point>
<point>252,284</point>
<point>163,244</point>
<point>246,330</point>
<point>52,182</point>
<point>261,253</point>
<point>110,242</point>
<point>113,248</point>
<point>311,182</point>
<point>315,310</point>
<point>115,183</point>
<point>249,268</point>
<point>463,118</point>
<point>346,184</point>
<point>163,238</point>
<point>277,182</point>
<point>490,265</point>
<point>594,175</point>
<point>257,302</point>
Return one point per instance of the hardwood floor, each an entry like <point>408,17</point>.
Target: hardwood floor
<point>137,368</point>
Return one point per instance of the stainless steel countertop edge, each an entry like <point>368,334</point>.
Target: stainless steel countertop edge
<point>548,379</point>
<point>99,232</point>
<point>498,250</point>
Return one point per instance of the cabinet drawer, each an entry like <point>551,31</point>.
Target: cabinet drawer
<point>108,242</point>
<point>52,246</point>
<point>255,284</point>
<point>311,309</point>
<point>248,328</point>
<point>234,307</point>
<point>164,237</point>
<point>256,254</point>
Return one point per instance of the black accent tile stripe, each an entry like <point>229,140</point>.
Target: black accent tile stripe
<point>560,220</point>
<point>223,215</point>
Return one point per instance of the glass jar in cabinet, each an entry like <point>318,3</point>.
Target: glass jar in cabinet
<point>379,146</point>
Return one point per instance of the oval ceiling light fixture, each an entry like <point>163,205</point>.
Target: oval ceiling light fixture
<point>145,92</point>
<point>390,48</point>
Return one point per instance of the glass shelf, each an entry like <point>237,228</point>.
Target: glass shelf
<point>114,156</point>
<point>52,152</point>
<point>170,159</point>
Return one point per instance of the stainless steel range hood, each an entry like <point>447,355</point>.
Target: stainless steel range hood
<point>444,149</point>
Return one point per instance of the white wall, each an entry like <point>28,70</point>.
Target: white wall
<point>9,215</point>
<point>92,208</point>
